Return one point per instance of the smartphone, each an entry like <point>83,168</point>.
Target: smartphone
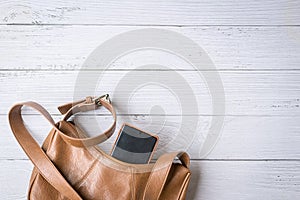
<point>134,145</point>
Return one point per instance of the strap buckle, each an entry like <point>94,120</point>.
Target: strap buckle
<point>104,97</point>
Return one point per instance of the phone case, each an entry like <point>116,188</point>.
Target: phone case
<point>152,135</point>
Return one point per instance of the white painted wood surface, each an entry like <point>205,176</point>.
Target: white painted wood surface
<point>255,47</point>
<point>246,93</point>
<point>155,12</point>
<point>51,47</point>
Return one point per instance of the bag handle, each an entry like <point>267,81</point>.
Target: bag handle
<point>35,153</point>
<point>160,172</point>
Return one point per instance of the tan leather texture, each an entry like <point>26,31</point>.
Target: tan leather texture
<point>70,166</point>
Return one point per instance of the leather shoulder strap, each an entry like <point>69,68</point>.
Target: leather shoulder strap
<point>37,155</point>
<point>160,172</point>
<point>34,151</point>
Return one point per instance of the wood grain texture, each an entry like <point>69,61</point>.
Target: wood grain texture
<point>168,12</point>
<point>264,138</point>
<point>254,46</point>
<point>230,48</point>
<point>210,180</point>
<point>246,93</point>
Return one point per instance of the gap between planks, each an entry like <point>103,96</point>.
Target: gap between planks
<point>152,25</point>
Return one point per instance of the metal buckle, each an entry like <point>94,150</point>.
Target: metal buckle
<point>104,97</point>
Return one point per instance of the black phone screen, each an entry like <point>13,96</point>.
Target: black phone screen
<point>134,146</point>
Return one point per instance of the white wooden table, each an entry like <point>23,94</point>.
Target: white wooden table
<point>255,47</point>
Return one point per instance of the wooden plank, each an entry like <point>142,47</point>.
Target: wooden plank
<point>156,12</point>
<point>210,180</point>
<point>241,137</point>
<point>246,93</point>
<point>230,48</point>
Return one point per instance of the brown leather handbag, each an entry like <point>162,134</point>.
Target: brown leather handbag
<point>70,165</point>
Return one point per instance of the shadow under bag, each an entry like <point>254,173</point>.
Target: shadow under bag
<point>71,166</point>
